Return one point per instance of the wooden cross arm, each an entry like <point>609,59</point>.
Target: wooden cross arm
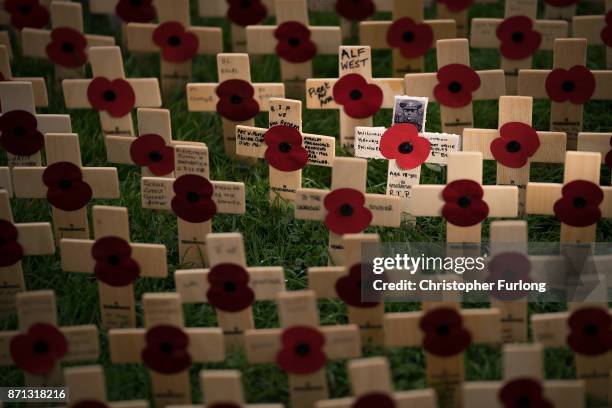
<point>5,41</point>
<point>403,399</point>
<point>54,123</point>
<point>322,280</point>
<point>589,27</point>
<point>552,145</point>
<point>261,40</point>
<point>374,33</point>
<point>483,32</point>
<point>118,148</point>
<point>492,85</point>
<point>34,42</point>
<point>39,87</point>
<point>102,6</point>
<point>202,97</point>
<point>140,38</point>
<point>218,8</point>
<point>146,91</point>
<point>21,94</point>
<point>561,393</point>
<point>541,198</point>
<point>76,257</point>
<point>102,180</point>
<point>319,92</point>
<point>6,182</point>
<point>266,282</point>
<point>36,238</point>
<point>532,82</point>
<point>595,142</point>
<point>550,329</point>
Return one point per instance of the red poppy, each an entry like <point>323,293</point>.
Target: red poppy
<point>27,13</point>
<point>176,43</point>
<point>355,10</point>
<point>609,156</point>
<point>517,142</point>
<point>89,404</point>
<point>523,392</point>
<point>576,85</point>
<point>236,100</point>
<point>464,205</point>
<point>114,263</point>
<point>11,251</point>
<point>590,331</point>
<point>346,211</point>
<point>444,333</point>
<point>403,144</point>
<point>349,287</point>
<point>229,288</point>
<point>37,351</point>
<point>246,12</point>
<point>193,198</point>
<point>457,5</point>
<point>115,97</point>
<point>67,47</point>
<point>359,99</point>
<point>302,350</point>
<point>166,350</point>
<point>518,38</point>
<point>374,399</point>
<point>66,189</point>
<point>456,83</point>
<point>285,151</point>
<point>606,33</point>
<point>136,11</point>
<point>20,135</point>
<point>413,40</point>
<point>294,43</point>
<point>579,203</point>
<point>560,3</point>
<point>511,267</point>
<point>151,151</point>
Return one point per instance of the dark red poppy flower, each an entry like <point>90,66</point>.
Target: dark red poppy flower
<point>20,135</point>
<point>151,151</point>
<point>285,151</point>
<point>229,288</point>
<point>166,350</point>
<point>11,251</point>
<point>606,33</point>
<point>89,404</point>
<point>115,97</point>
<point>294,43</point>
<point>374,399</point>
<point>456,83</point>
<point>346,211</point>
<point>66,189</point>
<point>302,350</point>
<point>457,5</point>
<point>355,10</point>
<point>114,263</point>
<point>464,205</point>
<point>579,203</point>
<point>518,38</point>
<point>576,85</point>
<point>560,3</point>
<point>246,12</point>
<point>27,13</point>
<point>136,11</point>
<point>193,199</point>
<point>511,267</point>
<point>236,100</point>
<point>359,99</point>
<point>67,47</point>
<point>176,43</point>
<point>412,39</point>
<point>609,156</point>
<point>348,288</point>
<point>444,333</point>
<point>517,142</point>
<point>403,144</point>
<point>590,331</point>
<point>523,392</point>
<point>37,351</point>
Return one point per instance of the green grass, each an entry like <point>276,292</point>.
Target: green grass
<point>272,235</point>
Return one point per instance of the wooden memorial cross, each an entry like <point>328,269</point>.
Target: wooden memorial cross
<point>235,97</point>
<point>347,208</point>
<point>355,94</point>
<point>597,30</point>
<point>18,240</point>
<point>351,13</point>
<point>295,42</point>
<point>597,142</point>
<point>104,256</point>
<point>66,45</point>
<point>523,378</point>
<point>288,150</point>
<point>409,35</point>
<point>455,86</point>
<point>458,10</point>
<point>301,346</point>
<point>35,16</point>
<point>5,41</point>
<point>516,144</point>
<point>569,85</point>
<point>88,386</point>
<point>223,285</point>
<point>518,36</point>
<point>224,388</point>
<point>560,10</point>
<point>127,11</point>
<point>40,346</point>
<point>371,384</point>
<point>39,86</point>
<point>166,347</point>
<point>110,93</point>
<point>176,40</point>
<point>66,184</point>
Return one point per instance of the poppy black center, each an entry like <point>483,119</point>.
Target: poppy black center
<point>568,86</point>
<point>65,184</point>
<point>513,146</point>
<point>68,47</point>
<point>25,9</point>
<point>302,349</point>
<point>40,347</point>
<point>193,197</point>
<point>19,131</point>
<point>346,210</point>
<point>591,330</point>
<point>245,3</point>
<point>113,260</point>
<point>236,99</point>
<point>356,94</point>
<point>166,347</point>
<point>443,330</point>
<point>136,3</point>
<point>580,202</point>
<point>464,202</point>
<point>294,41</point>
<point>155,156</point>
<point>284,147</point>
<point>408,36</point>
<point>405,148</point>
<point>523,401</point>
<point>109,95</point>
<point>174,41</point>
<point>229,286</point>
<point>518,37</point>
<point>455,87</point>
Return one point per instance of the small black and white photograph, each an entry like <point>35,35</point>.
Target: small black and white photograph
<point>410,109</point>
